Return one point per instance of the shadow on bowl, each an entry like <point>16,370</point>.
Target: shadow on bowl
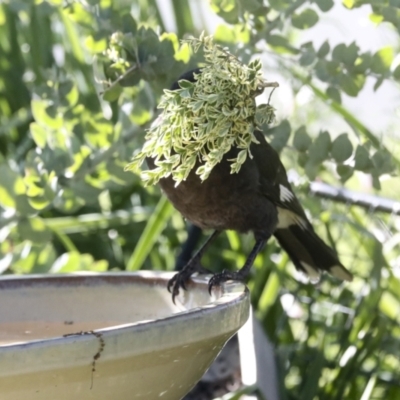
<point>111,336</point>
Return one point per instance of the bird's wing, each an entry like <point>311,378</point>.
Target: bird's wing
<point>274,183</point>
<point>294,232</point>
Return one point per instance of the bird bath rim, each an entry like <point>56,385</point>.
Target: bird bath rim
<point>227,295</point>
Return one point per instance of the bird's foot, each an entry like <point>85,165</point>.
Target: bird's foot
<point>179,280</point>
<point>224,276</point>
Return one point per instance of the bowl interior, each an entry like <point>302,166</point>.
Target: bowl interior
<point>34,308</point>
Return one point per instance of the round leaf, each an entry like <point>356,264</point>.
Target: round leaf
<point>345,172</point>
<point>342,148</point>
<point>363,161</point>
<point>334,94</point>
<point>306,19</point>
<point>280,134</point>
<point>324,5</point>
<point>324,50</point>
<point>301,140</point>
<point>319,149</point>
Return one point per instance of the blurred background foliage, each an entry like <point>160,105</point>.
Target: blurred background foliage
<point>79,84</point>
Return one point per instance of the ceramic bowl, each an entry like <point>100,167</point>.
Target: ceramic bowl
<point>111,336</point>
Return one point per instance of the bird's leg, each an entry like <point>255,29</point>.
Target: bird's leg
<point>240,275</point>
<point>194,234</point>
<point>179,280</point>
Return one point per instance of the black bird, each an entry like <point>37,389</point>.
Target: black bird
<point>258,199</point>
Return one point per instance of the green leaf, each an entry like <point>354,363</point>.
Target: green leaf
<point>68,202</point>
<point>376,184</point>
<point>342,149</point>
<point>318,152</point>
<point>251,6</point>
<point>143,105</point>
<point>68,93</point>
<point>72,34</point>
<point>38,202</point>
<point>74,261</point>
<point>112,93</point>
<point>281,134</point>
<point>226,9</point>
<point>308,56</point>
<point>184,84</point>
<point>346,54</point>
<point>231,34</point>
<point>150,234</point>
<point>382,161</point>
<point>280,5</point>
<point>96,45</point>
<point>306,19</point>
<point>378,83</point>
<point>281,44</point>
<point>390,305</point>
<point>362,63</point>
<point>321,71</point>
<point>334,94</point>
<point>128,23</point>
<point>34,229</point>
<point>301,140</point>
<point>327,71</point>
<point>362,158</point>
<point>324,5</point>
<point>345,172</point>
<point>312,375</point>
<point>351,85</point>
<point>348,3</point>
<point>396,73</point>
<point>46,114</point>
<point>302,159</point>
<point>319,149</point>
<point>13,191</point>
<point>376,18</point>
<point>351,54</point>
<point>334,68</point>
<point>324,49</point>
<point>6,198</point>
<point>382,60</point>
<point>39,134</point>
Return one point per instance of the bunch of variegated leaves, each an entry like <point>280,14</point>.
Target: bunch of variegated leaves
<point>202,120</point>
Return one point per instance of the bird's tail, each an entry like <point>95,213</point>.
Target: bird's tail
<point>309,253</point>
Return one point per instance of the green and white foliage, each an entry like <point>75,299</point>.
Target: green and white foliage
<point>203,120</point>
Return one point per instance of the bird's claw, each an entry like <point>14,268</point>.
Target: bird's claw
<point>179,281</point>
<point>224,276</point>
<point>175,283</point>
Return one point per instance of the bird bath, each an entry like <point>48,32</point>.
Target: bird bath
<point>111,336</point>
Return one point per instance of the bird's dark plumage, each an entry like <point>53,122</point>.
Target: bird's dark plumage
<point>259,199</point>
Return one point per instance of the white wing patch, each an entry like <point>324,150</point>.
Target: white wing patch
<point>339,272</point>
<point>287,218</point>
<point>285,194</point>
<point>312,273</point>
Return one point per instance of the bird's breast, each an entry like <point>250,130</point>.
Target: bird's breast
<point>223,200</point>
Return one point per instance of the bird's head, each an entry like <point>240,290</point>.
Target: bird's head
<point>187,76</point>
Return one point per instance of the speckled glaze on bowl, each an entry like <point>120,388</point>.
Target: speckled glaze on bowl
<point>111,336</point>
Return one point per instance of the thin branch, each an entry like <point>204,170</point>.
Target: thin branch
<point>119,79</point>
<point>341,195</point>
